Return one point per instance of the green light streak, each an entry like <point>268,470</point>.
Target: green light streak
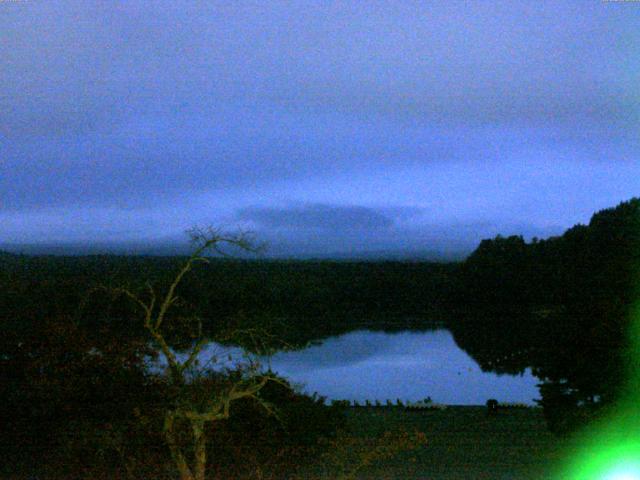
<point>610,448</point>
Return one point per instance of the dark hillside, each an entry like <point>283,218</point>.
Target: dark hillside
<point>561,306</point>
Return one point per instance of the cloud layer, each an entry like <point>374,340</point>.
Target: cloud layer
<point>139,119</point>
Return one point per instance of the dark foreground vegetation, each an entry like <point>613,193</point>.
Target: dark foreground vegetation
<point>79,402</point>
<point>462,442</point>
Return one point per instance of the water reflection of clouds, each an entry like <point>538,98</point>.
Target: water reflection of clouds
<point>377,365</point>
<point>365,346</point>
<point>400,361</point>
<point>410,365</point>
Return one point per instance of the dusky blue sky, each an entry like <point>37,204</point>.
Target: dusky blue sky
<point>326,127</point>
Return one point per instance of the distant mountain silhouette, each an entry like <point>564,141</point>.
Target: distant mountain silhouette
<point>177,247</point>
<point>97,248</point>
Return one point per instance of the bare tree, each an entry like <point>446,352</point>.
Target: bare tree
<point>214,399</point>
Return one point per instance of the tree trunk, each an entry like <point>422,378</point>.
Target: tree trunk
<point>200,449</point>
<point>174,448</point>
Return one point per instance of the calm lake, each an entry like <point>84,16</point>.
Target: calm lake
<point>410,365</point>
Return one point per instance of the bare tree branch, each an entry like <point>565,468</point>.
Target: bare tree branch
<point>248,385</point>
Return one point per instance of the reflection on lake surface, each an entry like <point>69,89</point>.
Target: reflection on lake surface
<point>409,365</point>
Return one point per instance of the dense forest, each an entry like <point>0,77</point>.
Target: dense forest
<point>72,353</point>
<point>562,306</point>
<point>298,300</point>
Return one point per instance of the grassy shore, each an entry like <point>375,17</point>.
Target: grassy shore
<point>463,443</point>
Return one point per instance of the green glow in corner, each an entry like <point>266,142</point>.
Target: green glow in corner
<point>624,471</point>
<point>608,463</point>
<point>610,449</point>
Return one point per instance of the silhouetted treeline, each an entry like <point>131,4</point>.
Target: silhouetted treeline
<point>562,306</point>
<point>300,301</point>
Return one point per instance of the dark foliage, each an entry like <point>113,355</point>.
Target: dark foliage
<point>561,306</point>
<point>275,446</point>
<point>77,399</point>
<point>63,388</point>
<point>77,405</point>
